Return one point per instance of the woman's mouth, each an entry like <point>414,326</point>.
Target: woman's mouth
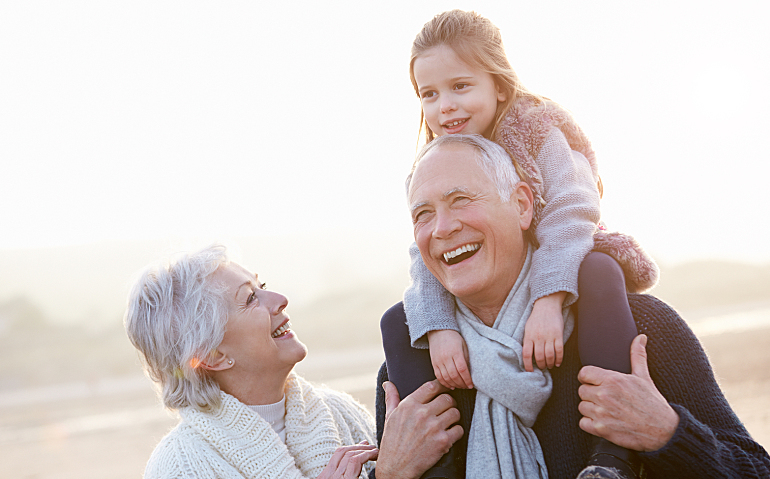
<point>462,253</point>
<point>284,329</point>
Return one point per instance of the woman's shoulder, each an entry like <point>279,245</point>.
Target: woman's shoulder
<point>166,459</point>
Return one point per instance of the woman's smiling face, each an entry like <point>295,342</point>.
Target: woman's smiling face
<point>257,335</point>
<point>455,97</point>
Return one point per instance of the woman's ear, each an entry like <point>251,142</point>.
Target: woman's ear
<point>522,195</point>
<point>216,361</point>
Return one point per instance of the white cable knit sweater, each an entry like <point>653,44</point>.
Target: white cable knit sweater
<point>234,442</point>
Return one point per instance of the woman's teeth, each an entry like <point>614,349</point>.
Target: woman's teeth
<point>462,249</point>
<point>286,326</point>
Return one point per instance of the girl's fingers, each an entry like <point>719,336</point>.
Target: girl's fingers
<point>540,355</point>
<point>527,356</point>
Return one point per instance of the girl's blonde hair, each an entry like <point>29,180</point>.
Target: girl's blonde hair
<point>478,43</point>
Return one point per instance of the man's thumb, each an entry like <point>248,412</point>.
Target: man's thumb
<point>639,357</point>
<point>392,399</point>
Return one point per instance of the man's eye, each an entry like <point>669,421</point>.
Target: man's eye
<point>251,297</point>
<point>263,286</point>
<point>420,216</point>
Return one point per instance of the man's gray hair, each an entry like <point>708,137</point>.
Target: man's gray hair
<point>176,318</point>
<point>491,158</point>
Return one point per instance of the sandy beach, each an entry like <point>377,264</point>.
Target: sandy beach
<point>108,427</point>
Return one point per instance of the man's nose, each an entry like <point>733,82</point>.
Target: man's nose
<point>446,224</point>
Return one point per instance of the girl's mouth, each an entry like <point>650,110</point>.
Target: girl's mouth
<point>462,253</point>
<point>455,124</point>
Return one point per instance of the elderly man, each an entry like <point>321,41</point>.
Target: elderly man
<point>673,413</point>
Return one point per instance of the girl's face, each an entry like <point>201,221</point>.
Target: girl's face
<point>456,98</point>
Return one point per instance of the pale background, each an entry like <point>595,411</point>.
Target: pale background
<point>130,130</point>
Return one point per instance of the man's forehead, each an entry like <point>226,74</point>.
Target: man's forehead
<point>446,170</point>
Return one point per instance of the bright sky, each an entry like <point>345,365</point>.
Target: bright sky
<point>173,119</point>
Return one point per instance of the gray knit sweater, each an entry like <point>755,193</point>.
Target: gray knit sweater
<point>568,222</point>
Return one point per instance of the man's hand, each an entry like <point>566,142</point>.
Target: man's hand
<point>449,356</point>
<point>626,409</point>
<point>418,430</point>
<point>544,333</point>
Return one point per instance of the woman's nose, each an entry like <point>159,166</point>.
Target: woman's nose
<point>277,302</point>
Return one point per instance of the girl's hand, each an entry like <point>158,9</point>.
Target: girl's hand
<point>544,333</point>
<point>347,461</point>
<point>449,356</point>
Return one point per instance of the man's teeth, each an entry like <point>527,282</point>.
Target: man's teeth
<point>461,250</point>
<point>281,330</point>
<point>454,123</point>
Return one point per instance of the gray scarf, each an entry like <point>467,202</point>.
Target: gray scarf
<point>501,443</point>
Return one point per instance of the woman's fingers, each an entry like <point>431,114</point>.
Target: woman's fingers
<point>344,456</point>
<point>356,461</point>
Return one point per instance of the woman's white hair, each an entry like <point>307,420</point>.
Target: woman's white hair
<point>176,318</point>
<point>491,157</point>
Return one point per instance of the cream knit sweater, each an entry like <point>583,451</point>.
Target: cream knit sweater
<point>235,442</point>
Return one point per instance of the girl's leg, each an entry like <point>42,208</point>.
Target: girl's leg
<point>605,328</point>
<point>605,324</point>
<point>408,368</point>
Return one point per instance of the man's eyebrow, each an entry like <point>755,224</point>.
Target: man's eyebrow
<point>458,189</point>
<point>417,206</point>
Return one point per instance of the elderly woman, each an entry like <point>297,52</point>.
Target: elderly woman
<point>219,346</point>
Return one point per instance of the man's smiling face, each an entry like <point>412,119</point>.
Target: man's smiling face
<point>470,239</point>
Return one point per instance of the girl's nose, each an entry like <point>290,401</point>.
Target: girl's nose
<point>447,105</point>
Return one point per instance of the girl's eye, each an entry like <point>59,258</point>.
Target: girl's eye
<point>428,94</point>
<point>460,86</point>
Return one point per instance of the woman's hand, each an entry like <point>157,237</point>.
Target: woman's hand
<point>449,356</point>
<point>347,461</point>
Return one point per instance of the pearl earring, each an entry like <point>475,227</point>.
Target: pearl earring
<point>230,362</point>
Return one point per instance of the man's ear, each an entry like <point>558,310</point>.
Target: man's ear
<point>522,196</point>
<point>216,361</point>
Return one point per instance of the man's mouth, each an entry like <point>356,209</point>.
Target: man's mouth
<point>455,123</point>
<point>462,253</point>
<point>282,330</point>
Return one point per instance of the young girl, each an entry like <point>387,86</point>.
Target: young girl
<point>466,85</point>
